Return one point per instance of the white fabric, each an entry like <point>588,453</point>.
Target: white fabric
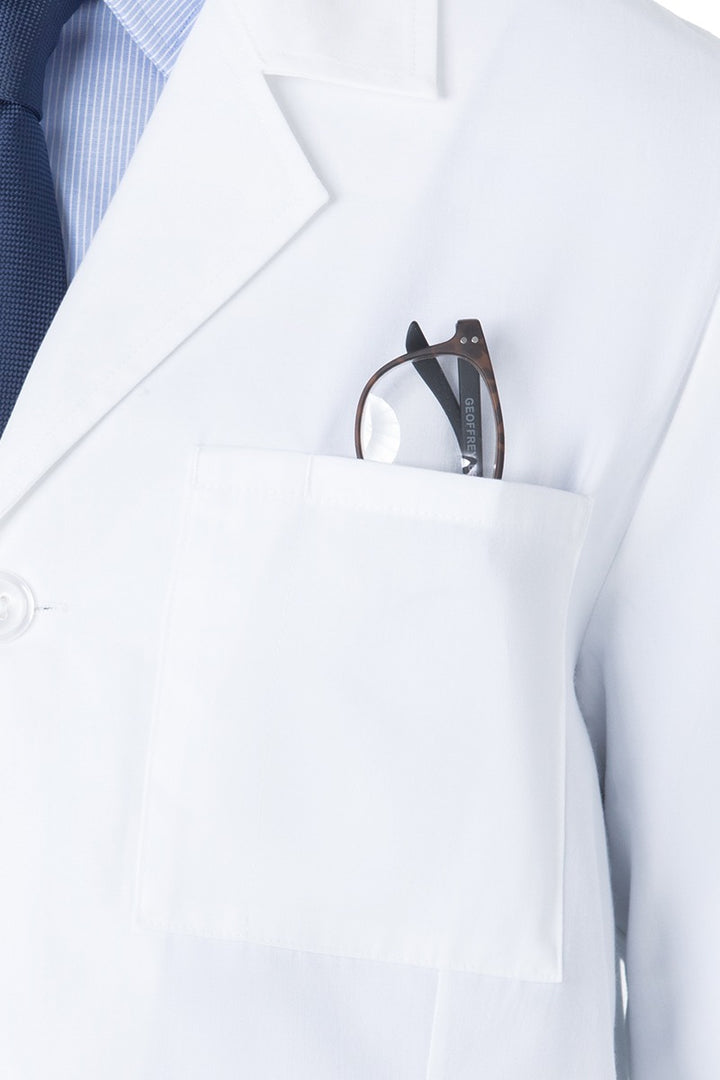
<point>562,187</point>
<point>310,769</point>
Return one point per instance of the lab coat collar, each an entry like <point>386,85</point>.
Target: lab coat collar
<point>190,223</point>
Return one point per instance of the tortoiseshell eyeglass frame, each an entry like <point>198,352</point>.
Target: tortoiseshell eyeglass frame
<point>469,343</point>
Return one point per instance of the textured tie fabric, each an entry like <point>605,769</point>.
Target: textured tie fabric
<point>32,260</point>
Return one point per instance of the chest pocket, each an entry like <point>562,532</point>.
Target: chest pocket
<point>358,742</point>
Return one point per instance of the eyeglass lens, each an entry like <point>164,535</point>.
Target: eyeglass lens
<point>410,419</point>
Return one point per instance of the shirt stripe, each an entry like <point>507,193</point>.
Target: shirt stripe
<point>101,84</point>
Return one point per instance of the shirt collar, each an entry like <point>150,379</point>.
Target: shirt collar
<point>369,44</point>
<point>159,27</point>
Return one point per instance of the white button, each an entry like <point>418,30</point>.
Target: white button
<point>17,606</point>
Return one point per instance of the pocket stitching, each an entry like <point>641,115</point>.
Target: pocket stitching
<point>196,486</point>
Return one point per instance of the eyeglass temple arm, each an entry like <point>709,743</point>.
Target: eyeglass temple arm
<point>431,373</point>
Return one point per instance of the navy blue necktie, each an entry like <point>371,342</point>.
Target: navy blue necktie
<point>32,259</point>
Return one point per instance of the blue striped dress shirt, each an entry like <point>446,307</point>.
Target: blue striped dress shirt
<point>101,84</point>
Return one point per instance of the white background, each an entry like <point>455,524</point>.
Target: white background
<point>705,13</point>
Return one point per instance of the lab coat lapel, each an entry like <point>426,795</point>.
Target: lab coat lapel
<point>217,185</point>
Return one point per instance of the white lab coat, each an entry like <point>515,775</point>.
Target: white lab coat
<point>320,769</point>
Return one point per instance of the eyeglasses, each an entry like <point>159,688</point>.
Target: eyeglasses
<point>437,406</point>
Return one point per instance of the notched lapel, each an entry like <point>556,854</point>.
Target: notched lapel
<point>217,185</point>
<point>373,44</point>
